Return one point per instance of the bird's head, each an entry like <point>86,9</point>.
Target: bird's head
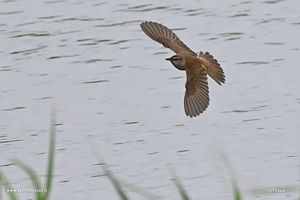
<point>177,61</point>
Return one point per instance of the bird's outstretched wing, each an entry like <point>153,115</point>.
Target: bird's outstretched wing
<point>196,98</point>
<point>166,37</point>
<point>213,67</point>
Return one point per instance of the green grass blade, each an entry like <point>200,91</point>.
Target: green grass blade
<point>181,190</point>
<point>50,167</point>
<point>29,171</point>
<point>4,181</point>
<point>237,195</point>
<point>33,176</point>
<point>236,190</point>
<point>116,183</point>
<point>184,195</point>
<point>139,190</point>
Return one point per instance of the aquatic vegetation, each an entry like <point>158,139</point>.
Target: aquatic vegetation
<point>41,193</point>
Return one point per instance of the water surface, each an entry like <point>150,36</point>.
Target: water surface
<point>112,88</point>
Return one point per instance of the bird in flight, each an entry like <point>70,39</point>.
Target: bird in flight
<point>196,98</point>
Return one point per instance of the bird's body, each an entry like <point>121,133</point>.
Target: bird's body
<point>196,98</point>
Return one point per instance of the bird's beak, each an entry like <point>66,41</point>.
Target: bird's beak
<point>169,59</point>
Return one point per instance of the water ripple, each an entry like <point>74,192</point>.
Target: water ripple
<point>253,63</point>
<point>28,51</point>
<point>118,24</point>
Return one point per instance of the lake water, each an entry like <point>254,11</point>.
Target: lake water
<point>112,89</point>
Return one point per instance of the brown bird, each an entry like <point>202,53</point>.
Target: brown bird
<point>196,98</point>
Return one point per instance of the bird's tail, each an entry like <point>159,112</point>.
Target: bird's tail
<point>213,67</point>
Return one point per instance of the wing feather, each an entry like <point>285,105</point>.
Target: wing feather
<point>196,98</point>
<point>166,37</point>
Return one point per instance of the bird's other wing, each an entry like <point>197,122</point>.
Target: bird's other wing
<point>166,37</point>
<point>196,98</point>
<point>213,67</point>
